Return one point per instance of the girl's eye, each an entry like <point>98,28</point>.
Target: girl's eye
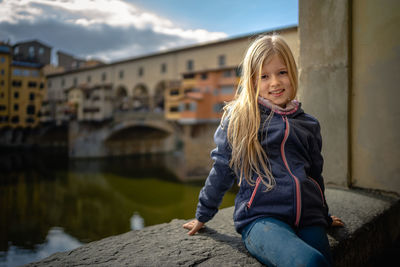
<point>283,72</point>
<point>264,76</point>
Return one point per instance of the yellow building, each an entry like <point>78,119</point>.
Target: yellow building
<point>5,63</point>
<point>22,87</point>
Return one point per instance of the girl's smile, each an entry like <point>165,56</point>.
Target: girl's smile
<point>275,84</point>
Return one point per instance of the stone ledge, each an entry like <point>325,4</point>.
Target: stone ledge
<point>372,224</point>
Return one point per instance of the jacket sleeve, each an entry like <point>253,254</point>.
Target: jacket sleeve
<point>317,166</point>
<point>219,180</point>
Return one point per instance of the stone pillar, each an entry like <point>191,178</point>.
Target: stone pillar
<point>324,79</point>
<point>375,95</point>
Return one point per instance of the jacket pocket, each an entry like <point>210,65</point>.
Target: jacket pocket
<point>254,192</point>
<point>319,190</point>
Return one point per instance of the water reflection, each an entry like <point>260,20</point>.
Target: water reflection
<point>137,221</point>
<point>56,241</point>
<point>85,200</point>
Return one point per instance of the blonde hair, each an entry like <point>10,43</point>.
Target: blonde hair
<point>248,156</point>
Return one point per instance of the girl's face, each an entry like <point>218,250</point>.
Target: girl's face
<point>275,83</point>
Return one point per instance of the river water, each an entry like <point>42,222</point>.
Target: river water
<point>49,203</point>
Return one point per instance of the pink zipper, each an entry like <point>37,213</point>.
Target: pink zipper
<point>320,190</point>
<point>254,192</point>
<point>298,199</point>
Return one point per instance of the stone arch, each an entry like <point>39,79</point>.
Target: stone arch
<point>139,137</point>
<point>122,101</point>
<point>159,96</point>
<point>141,98</point>
<point>138,132</point>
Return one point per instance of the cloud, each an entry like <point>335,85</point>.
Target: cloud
<point>106,29</point>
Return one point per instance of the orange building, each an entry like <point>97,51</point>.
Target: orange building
<point>202,95</point>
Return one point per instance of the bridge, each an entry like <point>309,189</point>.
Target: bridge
<point>127,133</point>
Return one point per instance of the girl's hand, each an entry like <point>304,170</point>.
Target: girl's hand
<point>336,221</point>
<point>193,226</point>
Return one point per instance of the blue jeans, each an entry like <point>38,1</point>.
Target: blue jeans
<point>275,243</point>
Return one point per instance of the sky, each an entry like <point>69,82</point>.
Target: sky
<point>113,30</point>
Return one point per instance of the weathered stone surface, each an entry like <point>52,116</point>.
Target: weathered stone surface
<point>368,217</point>
<point>324,79</point>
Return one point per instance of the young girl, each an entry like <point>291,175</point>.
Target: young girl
<point>273,148</point>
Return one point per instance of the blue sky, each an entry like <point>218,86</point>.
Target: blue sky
<point>232,17</point>
<point>113,30</point>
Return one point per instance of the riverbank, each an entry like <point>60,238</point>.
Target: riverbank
<point>371,225</point>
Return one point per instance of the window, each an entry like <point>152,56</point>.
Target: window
<point>185,106</point>
<point>89,78</point>
<point>2,107</point>
<point>204,76</point>
<point>221,60</point>
<point>75,81</point>
<point>4,118</point>
<point>32,96</point>
<point>25,73</point>
<point>174,109</point>
<point>190,64</point>
<point>121,74</point>
<point>16,83</point>
<point>41,51</point>
<point>41,85</point>
<point>227,89</point>
<point>163,68</point>
<point>16,107</point>
<point>17,72</point>
<point>32,84</point>
<point>2,59</point>
<point>30,120</point>
<point>193,106</point>
<point>15,119</point>
<point>16,94</point>
<point>227,73</point>
<point>49,84</point>
<point>174,92</point>
<point>188,76</point>
<point>140,72</point>
<point>31,52</point>
<point>104,76</point>
<point>2,82</point>
<point>2,71</point>
<point>63,82</point>
<point>91,110</point>
<point>16,50</point>
<point>30,110</point>
<point>35,73</point>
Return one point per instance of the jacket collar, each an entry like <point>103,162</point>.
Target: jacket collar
<point>291,108</point>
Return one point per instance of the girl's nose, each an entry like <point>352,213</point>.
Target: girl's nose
<point>274,80</point>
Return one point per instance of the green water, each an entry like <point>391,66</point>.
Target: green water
<point>49,203</point>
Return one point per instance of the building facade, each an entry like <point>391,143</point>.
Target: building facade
<point>90,103</point>
<point>5,70</point>
<point>32,51</point>
<point>22,88</point>
<point>146,83</point>
<point>202,95</point>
